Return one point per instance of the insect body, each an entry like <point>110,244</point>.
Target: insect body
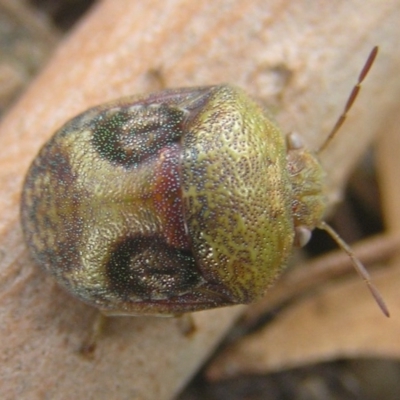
<point>177,201</point>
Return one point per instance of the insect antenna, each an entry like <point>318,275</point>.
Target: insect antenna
<point>357,265</point>
<point>323,225</point>
<point>351,99</point>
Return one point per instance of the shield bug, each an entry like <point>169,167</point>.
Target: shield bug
<point>176,201</point>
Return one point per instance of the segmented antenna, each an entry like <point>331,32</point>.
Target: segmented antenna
<point>351,99</point>
<point>323,225</point>
<point>357,265</point>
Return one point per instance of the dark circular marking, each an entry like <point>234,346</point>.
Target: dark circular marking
<point>128,136</point>
<point>150,269</point>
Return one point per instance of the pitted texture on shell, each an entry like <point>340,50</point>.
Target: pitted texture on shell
<point>102,210</point>
<point>166,203</point>
<point>129,136</point>
<point>239,218</point>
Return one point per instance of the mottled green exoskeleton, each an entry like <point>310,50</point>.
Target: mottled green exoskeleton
<point>176,201</point>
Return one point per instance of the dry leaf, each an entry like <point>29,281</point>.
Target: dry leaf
<point>26,43</point>
<point>312,274</point>
<point>340,321</point>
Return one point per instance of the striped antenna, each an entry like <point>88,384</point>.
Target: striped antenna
<point>351,99</point>
<point>359,267</point>
<point>323,225</point>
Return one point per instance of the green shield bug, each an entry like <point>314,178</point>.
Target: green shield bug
<point>176,201</point>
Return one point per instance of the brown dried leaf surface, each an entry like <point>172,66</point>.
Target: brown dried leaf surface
<point>339,321</point>
<point>26,41</point>
<point>298,59</point>
<point>311,275</point>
